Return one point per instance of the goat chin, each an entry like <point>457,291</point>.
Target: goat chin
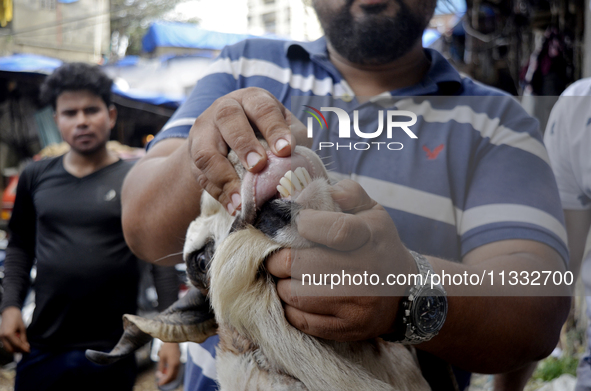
<point>257,342</point>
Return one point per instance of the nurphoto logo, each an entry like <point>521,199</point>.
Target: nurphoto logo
<point>392,121</point>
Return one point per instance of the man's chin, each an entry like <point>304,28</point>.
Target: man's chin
<point>88,150</point>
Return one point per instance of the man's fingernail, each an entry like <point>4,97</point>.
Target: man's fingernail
<point>235,204</point>
<point>281,144</point>
<point>236,200</point>
<point>252,159</point>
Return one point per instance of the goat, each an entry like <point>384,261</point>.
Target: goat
<point>259,349</point>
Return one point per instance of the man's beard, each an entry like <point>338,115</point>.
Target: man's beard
<point>91,151</point>
<point>375,40</point>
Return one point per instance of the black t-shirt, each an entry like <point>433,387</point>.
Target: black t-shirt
<point>87,277</point>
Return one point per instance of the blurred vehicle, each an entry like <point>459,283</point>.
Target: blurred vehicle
<point>8,197</point>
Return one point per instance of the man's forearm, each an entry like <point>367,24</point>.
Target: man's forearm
<point>474,339</point>
<point>160,198</point>
<point>515,380</point>
<point>16,282</point>
<point>578,223</point>
<point>506,327</point>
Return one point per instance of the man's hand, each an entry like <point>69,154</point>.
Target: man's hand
<point>169,364</point>
<point>230,123</point>
<point>363,240</point>
<point>13,333</point>
<point>178,169</point>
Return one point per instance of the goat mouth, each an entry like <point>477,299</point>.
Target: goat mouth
<point>277,212</point>
<point>293,182</point>
<point>282,178</point>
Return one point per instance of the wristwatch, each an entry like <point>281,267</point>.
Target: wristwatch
<point>425,309</point>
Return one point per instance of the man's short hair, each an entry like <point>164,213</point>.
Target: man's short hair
<point>76,76</point>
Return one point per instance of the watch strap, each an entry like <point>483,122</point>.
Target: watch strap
<point>410,334</point>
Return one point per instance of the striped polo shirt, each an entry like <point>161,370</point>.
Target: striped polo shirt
<point>477,171</point>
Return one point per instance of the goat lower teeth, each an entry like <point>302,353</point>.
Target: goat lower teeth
<point>283,191</point>
<point>286,183</point>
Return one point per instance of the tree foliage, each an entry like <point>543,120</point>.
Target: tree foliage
<point>131,18</point>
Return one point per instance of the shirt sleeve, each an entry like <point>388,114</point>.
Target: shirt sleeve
<point>20,253</point>
<point>512,193</point>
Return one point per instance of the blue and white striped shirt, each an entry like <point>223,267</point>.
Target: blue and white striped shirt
<point>477,172</point>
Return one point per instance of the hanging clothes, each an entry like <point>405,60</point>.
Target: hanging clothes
<point>549,70</point>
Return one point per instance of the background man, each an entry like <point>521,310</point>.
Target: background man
<point>67,216</point>
<point>476,190</point>
<point>568,140</point>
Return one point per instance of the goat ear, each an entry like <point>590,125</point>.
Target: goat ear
<point>213,223</point>
<point>188,319</point>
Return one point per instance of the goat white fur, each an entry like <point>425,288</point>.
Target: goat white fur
<point>259,349</point>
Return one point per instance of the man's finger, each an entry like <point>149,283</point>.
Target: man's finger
<point>168,367</point>
<point>6,345</point>
<point>339,231</point>
<point>270,117</point>
<point>25,342</point>
<point>214,173</point>
<point>17,344</point>
<point>221,182</point>
<point>321,326</point>
<point>279,263</point>
<point>234,125</point>
<point>165,377</point>
<point>309,299</point>
<point>173,372</point>
<point>161,365</point>
<point>351,197</point>
<point>288,263</point>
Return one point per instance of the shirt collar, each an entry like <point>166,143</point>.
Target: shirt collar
<point>294,49</point>
<point>441,79</point>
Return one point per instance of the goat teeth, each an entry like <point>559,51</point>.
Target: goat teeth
<point>283,191</point>
<point>295,181</point>
<point>303,175</point>
<point>308,177</point>
<point>286,183</point>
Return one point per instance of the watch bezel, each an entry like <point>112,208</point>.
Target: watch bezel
<point>431,328</point>
<point>414,330</point>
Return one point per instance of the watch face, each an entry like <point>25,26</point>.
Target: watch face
<point>429,312</point>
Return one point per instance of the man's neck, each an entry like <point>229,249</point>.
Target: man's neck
<point>372,80</point>
<point>81,165</point>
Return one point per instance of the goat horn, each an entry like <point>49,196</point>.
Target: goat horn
<point>188,319</point>
<point>131,340</point>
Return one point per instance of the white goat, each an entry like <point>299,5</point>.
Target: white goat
<point>259,349</point>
